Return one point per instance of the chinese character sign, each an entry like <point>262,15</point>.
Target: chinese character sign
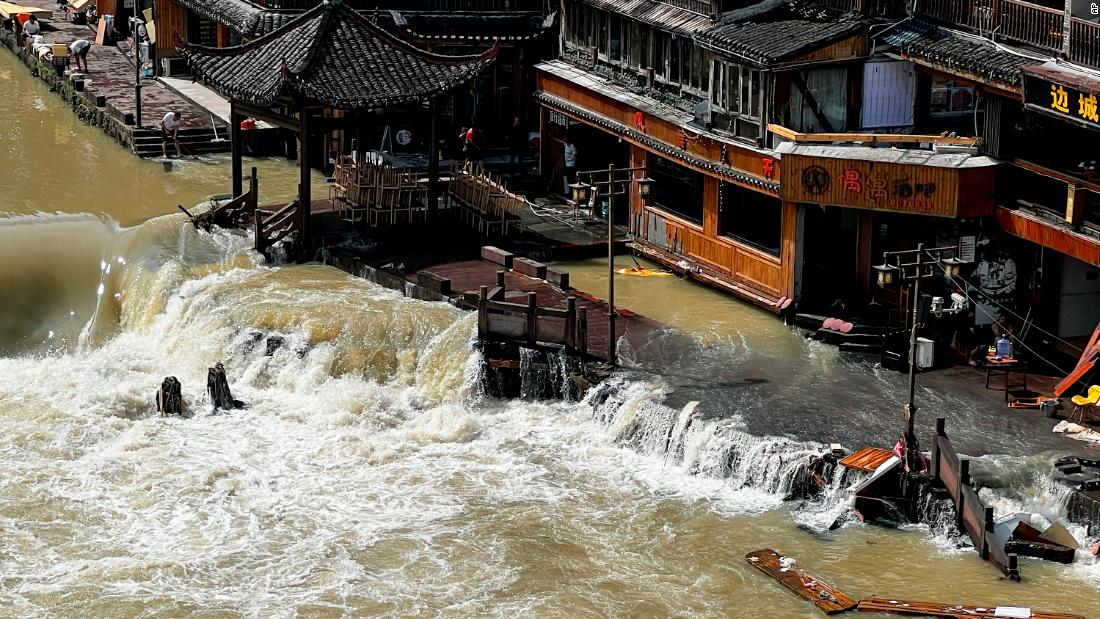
<point>1086,107</point>
<point>873,185</point>
<point>1062,100</point>
<point>1059,98</point>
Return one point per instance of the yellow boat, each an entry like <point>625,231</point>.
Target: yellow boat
<point>644,272</point>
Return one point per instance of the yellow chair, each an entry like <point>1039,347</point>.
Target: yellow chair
<point>1084,404</point>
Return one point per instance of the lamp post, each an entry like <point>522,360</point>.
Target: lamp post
<point>609,188</point>
<point>914,265</point>
<point>134,21</point>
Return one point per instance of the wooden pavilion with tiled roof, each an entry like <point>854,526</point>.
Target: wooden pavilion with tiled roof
<point>327,58</point>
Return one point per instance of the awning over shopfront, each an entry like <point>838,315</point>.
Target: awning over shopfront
<point>1050,232</point>
<point>1060,92</point>
<point>922,182</point>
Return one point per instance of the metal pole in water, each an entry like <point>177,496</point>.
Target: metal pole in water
<point>910,406</point>
<point>611,265</point>
<point>137,72</point>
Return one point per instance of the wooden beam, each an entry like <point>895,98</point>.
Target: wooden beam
<point>874,138</point>
<point>235,148</point>
<point>267,115</point>
<point>1055,174</point>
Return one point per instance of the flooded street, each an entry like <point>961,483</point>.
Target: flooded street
<point>368,476</point>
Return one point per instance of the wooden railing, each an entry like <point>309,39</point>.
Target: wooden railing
<point>234,213</point>
<point>1031,23</point>
<point>971,515</point>
<point>1017,20</point>
<point>274,227</point>
<point>976,14</point>
<point>1084,42</point>
<point>530,323</point>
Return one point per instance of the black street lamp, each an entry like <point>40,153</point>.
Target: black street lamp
<point>607,185</point>
<point>913,266</point>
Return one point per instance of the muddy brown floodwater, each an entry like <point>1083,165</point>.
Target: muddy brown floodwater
<point>367,476</point>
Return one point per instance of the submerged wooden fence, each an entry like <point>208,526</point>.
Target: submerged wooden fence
<point>971,515</point>
<point>532,324</point>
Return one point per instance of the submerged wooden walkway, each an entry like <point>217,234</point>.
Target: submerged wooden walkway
<point>936,609</point>
<point>825,597</point>
<point>551,293</point>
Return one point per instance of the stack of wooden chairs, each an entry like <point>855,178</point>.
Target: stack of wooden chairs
<point>377,193</point>
<point>483,202</point>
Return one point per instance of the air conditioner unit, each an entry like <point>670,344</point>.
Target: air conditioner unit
<point>174,67</point>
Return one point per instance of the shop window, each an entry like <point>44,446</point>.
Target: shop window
<point>752,218</point>
<point>640,45</point>
<point>615,41</point>
<point>950,98</point>
<point>601,34</point>
<point>1091,202</point>
<point>676,189</point>
<point>660,54</point>
<point>674,65</point>
<point>735,97</point>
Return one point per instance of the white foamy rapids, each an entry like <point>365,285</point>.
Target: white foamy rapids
<point>299,499</point>
<point>759,471</point>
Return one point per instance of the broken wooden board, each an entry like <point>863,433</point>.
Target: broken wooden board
<point>825,597</point>
<point>867,459</point>
<point>935,609</point>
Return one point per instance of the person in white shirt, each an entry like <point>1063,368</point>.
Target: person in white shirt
<point>78,49</point>
<point>32,26</point>
<point>170,126</point>
<point>570,163</point>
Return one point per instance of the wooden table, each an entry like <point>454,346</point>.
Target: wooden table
<point>1004,367</point>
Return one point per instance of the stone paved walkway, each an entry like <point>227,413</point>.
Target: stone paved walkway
<point>111,74</point>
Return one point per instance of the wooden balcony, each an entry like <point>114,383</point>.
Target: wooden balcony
<point>1084,42</point>
<point>974,14</point>
<point>1016,20</point>
<point>1030,23</point>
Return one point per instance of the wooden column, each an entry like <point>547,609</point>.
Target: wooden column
<point>305,200</point>
<point>638,159</point>
<point>433,162</point>
<point>790,248</point>
<point>863,254</point>
<point>235,148</point>
<point>710,207</point>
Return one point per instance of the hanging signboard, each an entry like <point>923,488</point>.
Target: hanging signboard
<point>967,248</point>
<point>1073,102</point>
<point>879,185</point>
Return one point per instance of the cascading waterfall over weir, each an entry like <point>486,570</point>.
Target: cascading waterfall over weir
<point>368,475</point>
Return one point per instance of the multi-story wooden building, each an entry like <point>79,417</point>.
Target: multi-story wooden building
<point>1024,78</point>
<point>779,140</point>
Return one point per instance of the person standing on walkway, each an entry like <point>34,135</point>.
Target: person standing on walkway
<point>32,26</point>
<point>169,127</point>
<point>78,49</point>
<point>570,163</point>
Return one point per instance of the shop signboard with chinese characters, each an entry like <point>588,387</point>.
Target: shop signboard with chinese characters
<point>1068,101</point>
<point>885,186</point>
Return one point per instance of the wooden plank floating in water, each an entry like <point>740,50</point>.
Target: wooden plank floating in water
<point>826,598</point>
<point>933,609</point>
